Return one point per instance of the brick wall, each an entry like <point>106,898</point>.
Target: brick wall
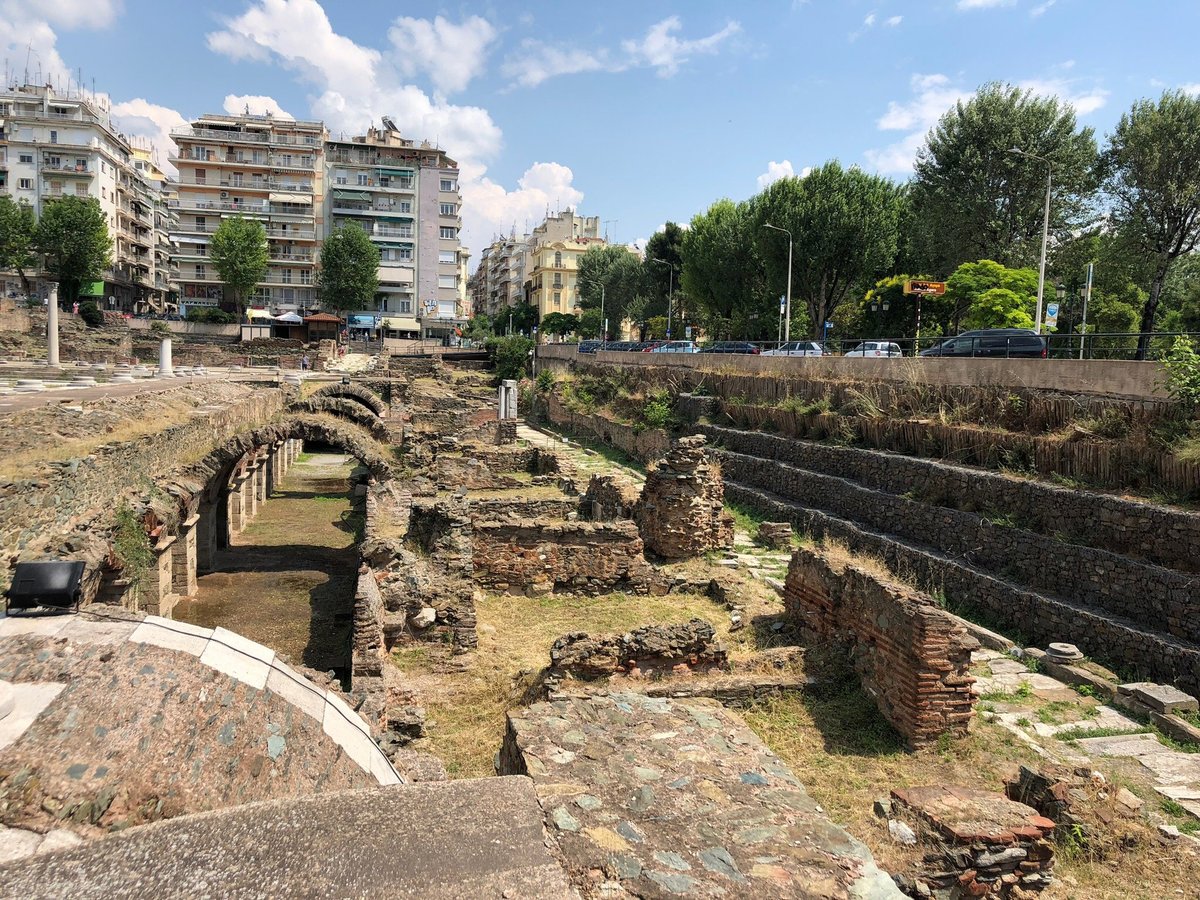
<point>681,512</point>
<point>913,658</point>
<point>581,557</point>
<point>609,497</point>
<point>646,445</point>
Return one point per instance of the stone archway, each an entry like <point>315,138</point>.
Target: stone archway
<point>344,408</point>
<point>357,393</point>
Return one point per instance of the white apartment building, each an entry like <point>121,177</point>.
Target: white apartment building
<point>55,145</point>
<point>405,196</point>
<point>262,167</point>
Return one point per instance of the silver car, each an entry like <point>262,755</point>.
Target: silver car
<point>675,347</point>
<point>875,349</point>
<point>797,348</point>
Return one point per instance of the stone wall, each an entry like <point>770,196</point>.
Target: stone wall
<point>367,644</point>
<point>580,557</point>
<point>914,659</point>
<point>1157,597</point>
<point>1169,537</point>
<point>646,444</point>
<point>608,498</point>
<point>1039,619</point>
<point>681,511</point>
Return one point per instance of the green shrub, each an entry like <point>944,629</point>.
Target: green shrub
<point>509,355</point>
<point>545,381</point>
<point>160,328</point>
<point>210,315</point>
<point>131,546</point>
<point>1182,365</point>
<point>91,314</point>
<point>656,413</point>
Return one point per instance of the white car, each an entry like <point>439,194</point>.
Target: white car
<point>676,347</point>
<point>797,348</point>
<point>874,349</point>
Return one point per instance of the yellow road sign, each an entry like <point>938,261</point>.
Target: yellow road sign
<point>925,287</point>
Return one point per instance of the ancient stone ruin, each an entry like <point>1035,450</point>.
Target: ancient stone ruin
<point>681,512</point>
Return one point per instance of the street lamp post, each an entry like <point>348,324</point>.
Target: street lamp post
<point>787,314</point>
<point>670,291</point>
<point>1037,325</point>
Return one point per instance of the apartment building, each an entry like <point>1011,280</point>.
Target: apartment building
<point>55,144</point>
<point>405,195</point>
<point>499,280</point>
<point>554,249</point>
<point>165,266</point>
<point>262,167</point>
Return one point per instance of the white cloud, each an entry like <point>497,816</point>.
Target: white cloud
<point>1193,89</point>
<point>72,13</point>
<point>984,4</point>
<point>894,21</point>
<point>869,20</point>
<point>498,211</point>
<point>536,62</point>
<point>256,104</point>
<point>659,48</point>
<point>141,118</point>
<point>778,170</point>
<point>450,54</point>
<point>1040,9</point>
<point>27,34</point>
<point>934,94</point>
<point>1084,101</point>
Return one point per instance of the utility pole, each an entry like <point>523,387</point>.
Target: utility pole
<point>787,317</point>
<point>1037,324</point>
<point>1087,296</point>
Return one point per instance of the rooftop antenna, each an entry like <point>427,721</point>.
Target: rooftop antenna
<point>606,223</point>
<point>28,51</point>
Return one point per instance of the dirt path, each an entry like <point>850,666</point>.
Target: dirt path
<point>288,580</point>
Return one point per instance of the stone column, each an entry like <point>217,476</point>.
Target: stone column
<point>250,490</point>
<point>261,482</point>
<point>159,597</point>
<point>183,553</point>
<point>237,505</point>
<point>206,536</point>
<point>52,328</point>
<point>165,368</point>
<point>272,468</point>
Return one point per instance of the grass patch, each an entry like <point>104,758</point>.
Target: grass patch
<point>467,713</point>
<point>745,518</point>
<point>1075,734</point>
<point>1023,692</point>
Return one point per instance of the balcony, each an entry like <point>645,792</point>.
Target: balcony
<point>67,169</point>
<point>382,231</point>
<point>219,135</point>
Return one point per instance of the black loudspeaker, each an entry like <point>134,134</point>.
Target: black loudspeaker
<point>55,584</point>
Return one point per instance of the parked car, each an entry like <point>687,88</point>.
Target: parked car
<point>589,346</point>
<point>619,345</point>
<point>875,348</point>
<point>1011,343</point>
<point>797,348</point>
<point>732,347</point>
<point>647,346</point>
<point>676,347</point>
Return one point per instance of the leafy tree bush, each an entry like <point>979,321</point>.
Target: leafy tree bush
<point>545,381</point>
<point>999,308</point>
<point>1182,365</point>
<point>210,315</point>
<point>348,277</point>
<point>91,314</point>
<point>509,355</point>
<point>239,251</point>
<point>160,328</point>
<point>73,234</point>
<point>656,411</point>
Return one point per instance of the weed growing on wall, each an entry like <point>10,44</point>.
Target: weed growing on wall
<point>131,546</point>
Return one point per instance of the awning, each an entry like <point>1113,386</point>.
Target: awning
<point>258,314</point>
<point>398,323</point>
<point>351,195</point>
<point>361,321</point>
<point>302,199</point>
<point>289,318</point>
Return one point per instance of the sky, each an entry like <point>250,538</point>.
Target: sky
<point>636,112</point>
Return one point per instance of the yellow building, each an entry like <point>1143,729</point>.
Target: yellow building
<point>554,250</point>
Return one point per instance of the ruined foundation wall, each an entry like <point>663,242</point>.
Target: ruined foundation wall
<point>646,444</point>
<point>914,659</point>
<point>681,511</point>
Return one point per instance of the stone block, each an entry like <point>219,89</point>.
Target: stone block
<point>239,657</point>
<point>1162,698</point>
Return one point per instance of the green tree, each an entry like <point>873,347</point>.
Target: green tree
<point>621,273</point>
<point>999,308</point>
<point>74,238</point>
<point>661,278</point>
<point>590,323</point>
<point>885,311</point>
<point>1152,163</point>
<point>479,328</point>
<point>723,274</point>
<point>845,228</point>
<point>978,200</point>
<point>239,251</point>
<point>349,273</point>
<point>559,323</point>
<point>510,355</point>
<point>971,282</point>
<point>17,229</point>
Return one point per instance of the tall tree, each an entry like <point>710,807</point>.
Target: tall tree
<point>976,199</point>
<point>723,273</point>
<point>620,271</point>
<point>845,228</point>
<point>664,277</point>
<point>985,294</point>
<point>17,229</point>
<point>74,237</point>
<point>349,273</point>
<point>239,251</point>
<point>1153,166</point>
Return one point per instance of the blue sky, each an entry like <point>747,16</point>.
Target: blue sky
<point>637,112</point>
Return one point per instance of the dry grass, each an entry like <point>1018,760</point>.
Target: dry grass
<point>466,712</point>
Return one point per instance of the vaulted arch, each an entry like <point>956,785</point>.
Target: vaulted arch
<point>357,393</point>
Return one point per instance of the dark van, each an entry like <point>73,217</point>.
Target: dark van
<point>1004,343</point>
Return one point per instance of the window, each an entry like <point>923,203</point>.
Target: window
<point>103,193</point>
<point>199,223</point>
<point>236,179</point>
<point>54,137</point>
<point>201,176</point>
<point>404,253</point>
<point>27,157</point>
<point>405,206</point>
<point>405,305</point>
<point>447,256</point>
<point>81,190</point>
<point>341,179</point>
<point>557,299</point>
<point>447,232</point>
<point>447,184</point>
<point>200,271</point>
<point>363,180</point>
<point>558,260</point>
<point>25,184</point>
<point>306,276</point>
<point>447,209</point>
<point>285,275</point>
<point>446,281</point>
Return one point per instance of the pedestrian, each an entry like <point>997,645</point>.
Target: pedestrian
<point>304,363</point>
